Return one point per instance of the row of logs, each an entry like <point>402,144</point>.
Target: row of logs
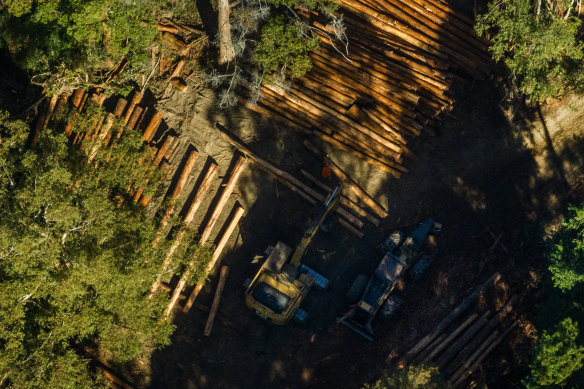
<point>94,132</point>
<point>388,88</point>
<point>458,345</point>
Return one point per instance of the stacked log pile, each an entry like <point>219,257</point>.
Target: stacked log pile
<point>391,86</point>
<point>458,345</point>
<point>95,131</point>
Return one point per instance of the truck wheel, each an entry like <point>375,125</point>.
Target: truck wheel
<point>420,267</point>
<point>390,307</point>
<point>356,290</point>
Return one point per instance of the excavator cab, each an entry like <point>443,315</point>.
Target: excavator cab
<point>282,282</point>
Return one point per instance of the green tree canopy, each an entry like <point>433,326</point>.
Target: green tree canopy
<point>539,45</point>
<point>76,259</point>
<point>567,254</point>
<point>557,356</point>
<point>77,35</point>
<point>412,377</point>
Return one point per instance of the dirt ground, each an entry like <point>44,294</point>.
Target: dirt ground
<point>486,171</point>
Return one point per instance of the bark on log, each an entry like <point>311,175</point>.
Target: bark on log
<point>344,201</point>
<point>134,118</point>
<point>182,180</point>
<point>216,255</point>
<point>229,186</point>
<point>216,299</point>
<point>152,127</point>
<point>278,173</point>
<point>462,307</point>
<point>452,336</point>
<point>226,51</point>
<point>199,197</point>
<point>351,228</point>
<point>361,194</point>
<point>135,101</point>
<point>491,325</point>
<point>157,159</point>
<point>453,350</point>
<point>483,354</point>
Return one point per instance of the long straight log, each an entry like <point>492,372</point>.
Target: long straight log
<point>463,306</point>
<point>451,337</point>
<point>344,201</point>
<point>182,180</point>
<point>454,348</point>
<point>466,364</point>
<point>216,300</point>
<point>273,115</point>
<point>483,354</point>
<point>101,137</point>
<point>199,197</point>
<point>361,194</point>
<point>424,354</point>
<point>358,233</point>
<point>341,141</point>
<point>266,166</point>
<point>239,211</point>
<point>491,325</point>
<point>157,159</point>
<point>363,130</point>
<point>229,186</point>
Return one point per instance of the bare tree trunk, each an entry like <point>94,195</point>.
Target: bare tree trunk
<point>226,52</point>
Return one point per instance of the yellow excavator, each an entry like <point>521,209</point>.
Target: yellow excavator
<point>282,282</point>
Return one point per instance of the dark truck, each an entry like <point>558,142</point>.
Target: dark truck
<point>400,255</point>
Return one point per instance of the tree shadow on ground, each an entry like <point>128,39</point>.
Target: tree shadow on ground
<point>478,175</point>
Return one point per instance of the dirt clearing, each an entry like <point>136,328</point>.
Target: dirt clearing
<point>487,171</point>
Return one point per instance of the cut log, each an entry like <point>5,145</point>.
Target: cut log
<point>344,201</point>
<point>133,121</point>
<point>157,159</point>
<point>152,127</point>
<point>135,101</point>
<point>481,355</point>
<point>222,201</point>
<point>351,228</point>
<point>283,176</point>
<point>216,255</point>
<point>424,354</point>
<point>453,349</point>
<point>216,300</point>
<point>451,337</point>
<point>226,51</point>
<point>347,181</point>
<point>462,307</point>
<point>491,325</point>
<point>201,192</point>
<point>182,180</point>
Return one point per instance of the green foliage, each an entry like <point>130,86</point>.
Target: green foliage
<point>282,46</point>
<point>86,35</point>
<point>76,259</point>
<point>310,4</point>
<point>413,377</point>
<point>542,52</point>
<point>567,256</point>
<point>557,356</point>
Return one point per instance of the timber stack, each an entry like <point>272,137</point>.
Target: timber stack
<point>387,86</point>
<point>95,123</point>
<point>460,343</point>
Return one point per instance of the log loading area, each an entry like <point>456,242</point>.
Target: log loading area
<point>401,117</point>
